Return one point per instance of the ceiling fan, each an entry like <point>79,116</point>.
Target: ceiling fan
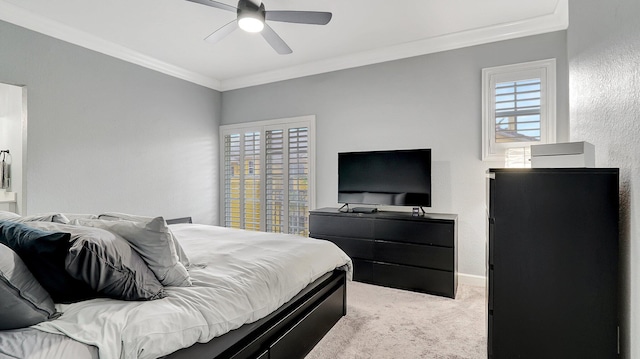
<point>251,18</point>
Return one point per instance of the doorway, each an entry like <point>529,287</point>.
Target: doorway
<point>13,142</point>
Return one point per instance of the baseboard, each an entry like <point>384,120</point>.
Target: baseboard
<point>470,279</point>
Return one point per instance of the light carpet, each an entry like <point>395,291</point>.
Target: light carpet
<point>390,323</point>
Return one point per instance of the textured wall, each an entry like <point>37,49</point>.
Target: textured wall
<point>604,56</point>
<point>104,134</point>
<point>431,101</point>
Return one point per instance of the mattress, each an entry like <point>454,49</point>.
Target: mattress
<point>238,277</point>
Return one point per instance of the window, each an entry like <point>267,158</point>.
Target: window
<point>268,171</point>
<point>518,107</point>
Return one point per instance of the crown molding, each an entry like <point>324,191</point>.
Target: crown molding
<point>558,20</point>
<point>17,16</point>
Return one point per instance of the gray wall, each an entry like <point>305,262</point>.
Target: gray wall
<point>107,135</point>
<point>431,101</point>
<point>604,56</point>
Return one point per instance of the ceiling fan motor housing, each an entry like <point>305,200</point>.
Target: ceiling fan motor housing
<point>247,8</point>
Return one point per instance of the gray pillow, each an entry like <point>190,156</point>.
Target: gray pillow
<point>107,263</point>
<point>115,216</point>
<point>23,300</point>
<point>152,240</point>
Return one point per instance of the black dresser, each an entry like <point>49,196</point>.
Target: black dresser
<point>395,249</point>
<point>553,263</point>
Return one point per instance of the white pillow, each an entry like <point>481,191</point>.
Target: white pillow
<point>42,217</point>
<point>152,240</point>
<point>47,217</point>
<point>9,216</point>
<point>72,216</point>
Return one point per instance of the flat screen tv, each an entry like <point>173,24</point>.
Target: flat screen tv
<point>397,178</point>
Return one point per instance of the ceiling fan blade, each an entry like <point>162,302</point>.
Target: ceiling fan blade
<point>275,41</point>
<point>216,4</point>
<point>222,32</point>
<point>299,17</point>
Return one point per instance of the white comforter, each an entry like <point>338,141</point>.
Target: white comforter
<point>247,276</point>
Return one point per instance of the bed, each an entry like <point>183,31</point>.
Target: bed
<point>253,295</point>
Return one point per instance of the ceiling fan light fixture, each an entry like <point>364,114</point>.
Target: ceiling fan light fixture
<point>250,23</point>
<point>251,16</point>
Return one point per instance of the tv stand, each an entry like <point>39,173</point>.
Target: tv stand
<point>395,249</point>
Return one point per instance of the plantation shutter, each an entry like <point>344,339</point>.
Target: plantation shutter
<point>298,180</point>
<point>287,179</point>
<point>518,107</point>
<point>252,181</point>
<point>232,181</point>
<point>517,111</point>
<point>268,176</point>
<point>275,184</point>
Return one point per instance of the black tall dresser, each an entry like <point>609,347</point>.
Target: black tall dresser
<point>553,263</point>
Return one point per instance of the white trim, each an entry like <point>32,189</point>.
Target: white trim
<point>22,210</point>
<point>543,69</point>
<point>474,280</point>
<point>558,20</point>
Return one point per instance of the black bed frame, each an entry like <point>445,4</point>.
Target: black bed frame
<point>290,332</point>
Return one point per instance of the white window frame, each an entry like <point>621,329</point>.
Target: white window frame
<point>308,121</point>
<point>545,70</point>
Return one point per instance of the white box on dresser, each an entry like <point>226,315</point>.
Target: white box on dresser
<point>562,155</point>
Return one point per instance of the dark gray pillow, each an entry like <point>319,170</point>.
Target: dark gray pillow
<point>44,253</point>
<point>23,301</point>
<point>107,263</point>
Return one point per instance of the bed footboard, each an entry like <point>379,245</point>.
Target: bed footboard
<point>289,332</point>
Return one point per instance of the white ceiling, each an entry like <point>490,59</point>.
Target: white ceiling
<point>167,35</point>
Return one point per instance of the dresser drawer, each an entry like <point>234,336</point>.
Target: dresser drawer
<point>424,280</point>
<point>339,226</point>
<point>354,248</point>
<point>363,271</point>
<point>440,233</point>
<point>414,255</point>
